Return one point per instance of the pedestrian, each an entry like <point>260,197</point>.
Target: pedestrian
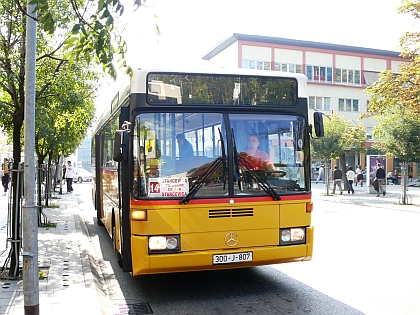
<point>380,176</point>
<point>5,176</point>
<point>53,175</point>
<point>359,176</point>
<point>63,168</point>
<point>337,176</point>
<point>320,174</point>
<point>186,151</point>
<point>69,177</point>
<point>396,176</point>
<point>390,177</point>
<point>350,178</point>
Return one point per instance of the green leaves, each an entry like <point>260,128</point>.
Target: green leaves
<point>402,89</point>
<point>398,134</point>
<point>339,137</point>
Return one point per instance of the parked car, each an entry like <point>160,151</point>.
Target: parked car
<point>81,175</point>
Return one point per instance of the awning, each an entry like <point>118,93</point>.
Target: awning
<point>370,77</point>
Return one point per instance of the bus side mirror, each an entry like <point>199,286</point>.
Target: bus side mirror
<point>318,124</point>
<point>120,146</point>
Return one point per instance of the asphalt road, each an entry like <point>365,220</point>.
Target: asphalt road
<point>366,261</point>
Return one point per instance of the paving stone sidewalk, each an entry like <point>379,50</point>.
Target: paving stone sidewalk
<point>64,256</point>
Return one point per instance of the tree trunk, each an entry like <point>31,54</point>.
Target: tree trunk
<point>17,196</point>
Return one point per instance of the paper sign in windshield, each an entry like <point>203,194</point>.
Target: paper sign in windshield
<point>168,187</point>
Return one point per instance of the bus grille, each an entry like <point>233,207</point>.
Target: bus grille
<point>231,213</point>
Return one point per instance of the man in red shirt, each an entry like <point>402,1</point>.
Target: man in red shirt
<point>252,150</point>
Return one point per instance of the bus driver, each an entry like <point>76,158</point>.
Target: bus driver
<point>252,150</point>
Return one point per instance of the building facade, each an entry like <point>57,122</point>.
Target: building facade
<point>337,75</point>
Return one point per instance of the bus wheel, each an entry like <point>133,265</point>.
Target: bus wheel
<point>99,221</point>
<point>114,243</point>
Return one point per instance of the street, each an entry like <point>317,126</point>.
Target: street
<point>365,262</point>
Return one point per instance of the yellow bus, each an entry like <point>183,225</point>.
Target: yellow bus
<point>205,170</point>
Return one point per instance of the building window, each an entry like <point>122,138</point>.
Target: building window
<point>348,105</point>
<point>319,103</point>
<point>309,73</point>
<point>355,105</point>
<point>327,102</point>
<point>319,73</point>
<point>256,64</point>
<point>341,104</point>
<point>369,133</point>
<point>329,75</point>
<point>347,76</point>
<point>287,67</point>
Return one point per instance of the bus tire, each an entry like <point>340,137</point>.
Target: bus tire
<point>114,243</point>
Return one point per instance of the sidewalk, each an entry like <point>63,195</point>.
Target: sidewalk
<point>65,257</point>
<point>391,200</point>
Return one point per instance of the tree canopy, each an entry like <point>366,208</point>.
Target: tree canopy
<point>398,134</point>
<point>63,114</point>
<point>89,29</point>
<point>402,89</point>
<point>339,136</point>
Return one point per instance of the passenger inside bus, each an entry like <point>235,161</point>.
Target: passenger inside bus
<point>185,148</point>
<point>252,151</point>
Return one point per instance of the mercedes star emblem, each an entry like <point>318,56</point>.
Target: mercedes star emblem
<point>231,239</point>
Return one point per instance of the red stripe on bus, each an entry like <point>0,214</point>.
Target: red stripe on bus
<point>218,200</point>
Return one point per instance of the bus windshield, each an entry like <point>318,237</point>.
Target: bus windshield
<point>186,155</point>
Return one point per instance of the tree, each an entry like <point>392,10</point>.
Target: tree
<point>339,137</point>
<point>90,28</point>
<point>62,115</point>
<point>12,70</point>
<point>398,134</point>
<point>403,89</point>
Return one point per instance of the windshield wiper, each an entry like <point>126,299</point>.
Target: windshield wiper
<point>201,180</point>
<point>260,181</point>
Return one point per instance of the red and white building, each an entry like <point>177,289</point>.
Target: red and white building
<point>337,74</point>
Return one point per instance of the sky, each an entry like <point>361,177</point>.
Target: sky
<point>191,28</point>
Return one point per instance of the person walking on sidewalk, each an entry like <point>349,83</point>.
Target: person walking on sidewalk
<point>380,176</point>
<point>320,174</point>
<point>337,176</point>
<point>359,176</point>
<point>69,176</point>
<point>5,176</point>
<point>350,178</point>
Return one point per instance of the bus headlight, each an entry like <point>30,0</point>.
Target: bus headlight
<point>164,244</point>
<point>293,236</point>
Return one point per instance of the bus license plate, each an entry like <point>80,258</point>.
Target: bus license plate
<point>231,258</point>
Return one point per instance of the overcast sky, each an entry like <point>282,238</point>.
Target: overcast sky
<point>191,28</point>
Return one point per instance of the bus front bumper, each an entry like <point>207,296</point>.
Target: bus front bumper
<point>144,263</point>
